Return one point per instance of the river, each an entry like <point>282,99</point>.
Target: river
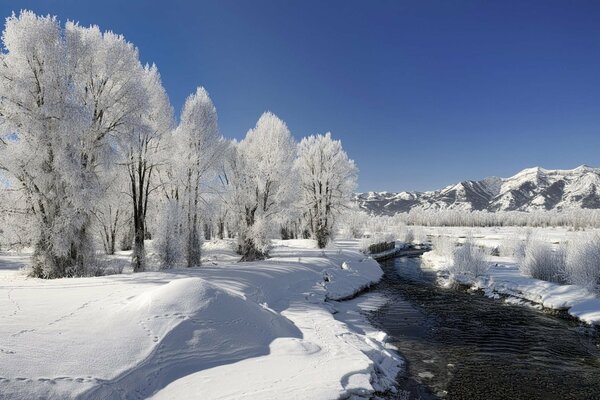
<point>461,345</point>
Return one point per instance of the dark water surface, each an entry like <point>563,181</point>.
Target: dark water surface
<point>465,346</point>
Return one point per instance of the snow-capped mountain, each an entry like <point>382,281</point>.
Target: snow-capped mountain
<point>529,190</point>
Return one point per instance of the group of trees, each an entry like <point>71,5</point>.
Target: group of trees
<point>90,152</point>
<point>576,218</point>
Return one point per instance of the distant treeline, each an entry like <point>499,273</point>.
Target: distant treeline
<point>575,218</point>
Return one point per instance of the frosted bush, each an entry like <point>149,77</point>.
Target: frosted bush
<point>353,224</point>
<point>169,244</point>
<point>419,234</point>
<point>469,259</point>
<point>509,247</point>
<point>540,261</point>
<point>443,246</point>
<point>583,262</point>
<point>260,233</point>
<point>514,246</point>
<point>408,236</point>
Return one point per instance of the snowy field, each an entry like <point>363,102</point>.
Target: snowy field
<point>260,330</point>
<point>504,278</point>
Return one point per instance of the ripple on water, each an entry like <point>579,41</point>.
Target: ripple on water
<point>466,346</point>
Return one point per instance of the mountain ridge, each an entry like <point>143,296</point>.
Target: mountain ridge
<point>531,189</point>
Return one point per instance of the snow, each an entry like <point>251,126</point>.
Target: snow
<point>504,277</point>
<point>267,329</point>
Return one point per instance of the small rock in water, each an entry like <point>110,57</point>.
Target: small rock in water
<point>426,374</point>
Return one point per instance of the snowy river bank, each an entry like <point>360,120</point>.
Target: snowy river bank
<point>503,279</point>
<point>267,330</point>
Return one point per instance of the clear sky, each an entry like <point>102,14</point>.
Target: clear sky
<point>421,93</point>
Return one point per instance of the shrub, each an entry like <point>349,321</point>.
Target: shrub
<point>514,246</point>
<point>353,224</point>
<point>583,262</point>
<point>168,244</point>
<point>469,259</point>
<point>409,237</point>
<point>540,261</point>
<point>443,246</point>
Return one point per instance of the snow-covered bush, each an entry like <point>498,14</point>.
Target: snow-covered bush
<point>540,261</point>
<point>260,232</point>
<point>419,234</point>
<point>511,247</point>
<point>469,259</point>
<point>169,243</point>
<point>409,236</point>
<point>353,224</point>
<point>443,246</point>
<point>583,262</point>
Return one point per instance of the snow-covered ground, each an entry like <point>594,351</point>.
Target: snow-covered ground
<point>264,330</point>
<point>504,277</point>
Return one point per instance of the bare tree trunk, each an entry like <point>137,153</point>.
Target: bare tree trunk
<point>139,252</point>
<point>248,248</point>
<point>140,174</point>
<point>221,229</point>
<point>193,245</point>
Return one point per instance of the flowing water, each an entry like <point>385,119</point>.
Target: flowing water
<point>461,345</point>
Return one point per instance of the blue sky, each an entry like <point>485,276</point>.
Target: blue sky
<point>421,93</point>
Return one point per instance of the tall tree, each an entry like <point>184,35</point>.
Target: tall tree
<point>201,148</point>
<point>144,154</point>
<point>328,181</point>
<point>262,181</point>
<point>65,95</point>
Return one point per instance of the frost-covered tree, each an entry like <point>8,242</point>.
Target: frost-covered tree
<point>144,153</point>
<point>263,182</point>
<point>15,215</point>
<point>222,195</point>
<point>328,180</point>
<point>200,148</point>
<point>112,213</point>
<point>169,243</point>
<point>65,95</point>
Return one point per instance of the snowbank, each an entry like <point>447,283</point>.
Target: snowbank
<point>504,278</point>
<point>233,330</point>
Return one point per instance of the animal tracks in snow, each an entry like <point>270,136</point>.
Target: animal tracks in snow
<point>149,332</point>
<point>17,307</point>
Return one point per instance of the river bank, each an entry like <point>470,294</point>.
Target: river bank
<point>263,330</point>
<point>504,281</point>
